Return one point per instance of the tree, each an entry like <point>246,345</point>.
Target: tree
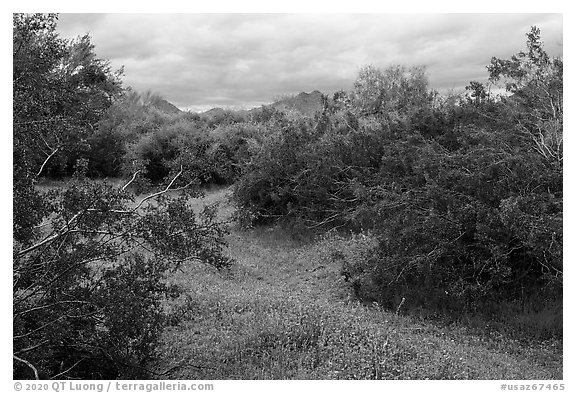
<point>89,261</point>
<point>478,93</point>
<point>535,82</point>
<point>394,91</point>
<point>88,290</point>
<point>60,91</point>
<point>478,222</point>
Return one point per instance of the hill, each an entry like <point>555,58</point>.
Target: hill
<point>305,103</point>
<point>165,106</point>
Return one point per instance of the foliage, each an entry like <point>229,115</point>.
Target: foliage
<point>392,92</point>
<point>466,227</point>
<point>536,103</point>
<point>145,138</point>
<point>464,195</point>
<point>88,293</point>
<point>307,169</point>
<point>89,261</point>
<point>231,147</point>
<point>172,144</point>
<point>283,311</point>
<point>60,91</point>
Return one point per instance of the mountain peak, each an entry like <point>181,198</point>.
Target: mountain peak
<point>165,106</point>
<point>305,103</point>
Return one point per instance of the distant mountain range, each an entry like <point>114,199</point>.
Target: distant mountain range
<point>305,103</point>
<point>165,106</point>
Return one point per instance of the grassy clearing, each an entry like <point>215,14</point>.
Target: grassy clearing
<point>284,312</point>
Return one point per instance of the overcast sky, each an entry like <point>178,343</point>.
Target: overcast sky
<point>200,61</point>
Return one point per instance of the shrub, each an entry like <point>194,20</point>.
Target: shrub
<point>174,144</point>
<point>232,146</point>
<point>89,263</point>
<point>89,287</point>
<point>465,195</point>
<point>307,170</point>
<point>460,229</point>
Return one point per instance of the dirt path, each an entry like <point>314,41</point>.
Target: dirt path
<point>284,312</point>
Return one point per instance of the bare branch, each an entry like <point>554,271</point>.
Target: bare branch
<point>326,221</point>
<point>52,305</point>
<point>110,211</point>
<point>37,329</point>
<point>32,347</point>
<point>131,180</point>
<point>163,191</point>
<point>26,362</point>
<point>35,246</point>
<point>46,161</point>
<point>55,236</point>
<point>67,370</point>
<point>183,187</point>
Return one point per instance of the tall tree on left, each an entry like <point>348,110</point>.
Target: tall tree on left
<point>89,263</point>
<point>61,88</point>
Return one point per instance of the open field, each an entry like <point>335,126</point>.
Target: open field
<point>284,312</point>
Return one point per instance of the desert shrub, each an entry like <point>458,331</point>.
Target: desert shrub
<point>259,190</point>
<point>158,144</point>
<point>460,228</point>
<point>89,263</point>
<point>465,195</point>
<point>174,144</point>
<point>316,170</point>
<point>231,147</point>
<point>307,170</point>
<point>89,287</point>
<point>138,134</point>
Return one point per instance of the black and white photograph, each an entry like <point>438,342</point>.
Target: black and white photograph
<point>287,196</point>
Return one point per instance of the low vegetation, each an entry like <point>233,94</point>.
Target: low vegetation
<point>285,311</point>
<point>387,232</point>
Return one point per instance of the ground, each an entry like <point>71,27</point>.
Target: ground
<point>283,311</point>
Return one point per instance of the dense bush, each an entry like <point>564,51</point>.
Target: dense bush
<point>89,262</point>
<point>307,170</point>
<point>172,144</point>
<point>61,89</point>
<point>232,146</point>
<point>465,226</point>
<point>89,287</point>
<point>142,137</point>
<point>463,193</point>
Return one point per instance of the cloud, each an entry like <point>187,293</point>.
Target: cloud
<point>243,60</point>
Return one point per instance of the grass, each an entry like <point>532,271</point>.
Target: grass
<point>283,311</point>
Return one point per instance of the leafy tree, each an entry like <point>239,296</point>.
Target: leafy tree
<point>60,91</point>
<point>535,82</point>
<point>89,261</point>
<point>478,93</point>
<point>479,222</point>
<point>463,194</point>
<point>88,292</point>
<point>393,92</point>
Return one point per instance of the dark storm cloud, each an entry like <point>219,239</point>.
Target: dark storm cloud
<point>205,60</point>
